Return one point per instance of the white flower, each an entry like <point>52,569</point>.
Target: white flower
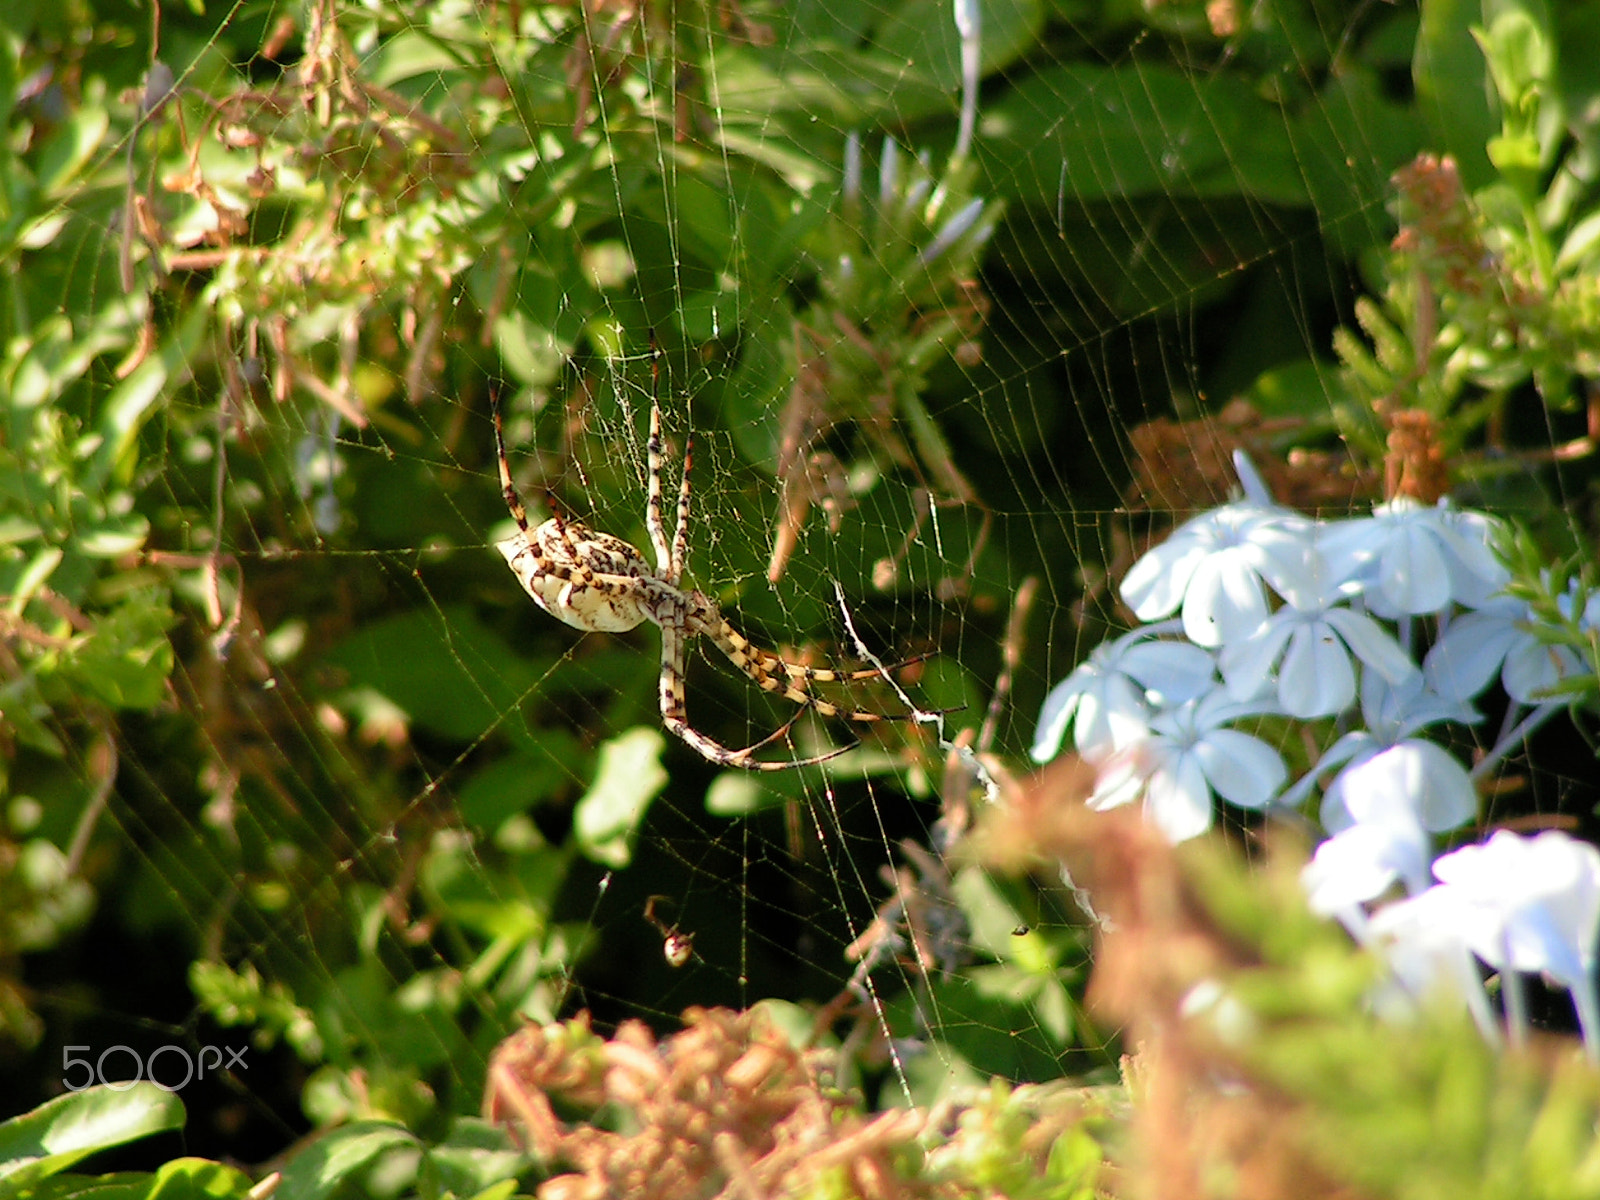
<point>1211,566</point>
<point>1420,944</point>
<point>1528,904</point>
<point>1109,697</point>
<point>1500,635</point>
<point>1311,639</point>
<point>1426,779</point>
<point>1412,774</point>
<point>1185,756</point>
<point>1364,861</point>
<point>1418,559</point>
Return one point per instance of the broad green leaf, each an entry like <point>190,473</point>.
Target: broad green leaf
<point>444,669</point>
<point>1350,190</point>
<point>407,55</point>
<point>1448,72</point>
<point>321,1168</point>
<point>477,1159</point>
<point>66,1130</point>
<point>122,1185</point>
<point>1087,133</point>
<point>198,1179</point>
<point>513,785</point>
<point>629,776</point>
<point>1007,29</point>
<point>989,915</point>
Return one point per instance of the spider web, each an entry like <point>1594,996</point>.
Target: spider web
<point>390,805</point>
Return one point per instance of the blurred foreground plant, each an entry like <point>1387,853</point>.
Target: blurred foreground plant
<point>1258,1067</point>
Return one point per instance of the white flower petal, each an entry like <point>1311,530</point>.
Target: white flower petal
<point>1412,571</point>
<point>1242,768</point>
<point>1363,862</point>
<point>1367,639</point>
<point>1247,666</point>
<point>1469,536</point>
<point>1224,602</point>
<point>1111,715</point>
<point>1465,659</point>
<point>1445,796</point>
<point>1059,705</point>
<point>1315,678</point>
<point>1119,780</point>
<point>1177,800</point>
<point>1412,782</point>
<point>1535,902</point>
<point>1173,672</point>
<point>1533,669</point>
<point>1154,587</point>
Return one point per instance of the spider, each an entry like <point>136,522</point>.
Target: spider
<point>677,947</point>
<point>601,584</point>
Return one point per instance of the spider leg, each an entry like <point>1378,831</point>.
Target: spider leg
<point>665,562</point>
<point>513,498</point>
<point>674,717</point>
<point>744,654</point>
<point>680,536</point>
<point>669,559</point>
<point>779,677</point>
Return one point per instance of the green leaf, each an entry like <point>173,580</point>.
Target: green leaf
<point>477,1159</point>
<point>69,149</point>
<point>1448,71</point>
<point>66,1130</point>
<point>1518,53</point>
<point>1089,133</point>
<point>114,536</point>
<point>738,794</point>
<point>127,659</point>
<point>123,1185</point>
<point>405,56</point>
<point>1349,191</point>
<point>55,353</point>
<point>989,914</point>
<point>132,401</point>
<point>629,777</point>
<point>33,577</point>
<point>1580,243</point>
<point>197,1179</point>
<point>444,668</point>
<point>320,1169</point>
<point>513,785</point>
<point>1007,28</point>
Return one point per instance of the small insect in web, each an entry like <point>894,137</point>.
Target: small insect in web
<point>676,947</point>
<point>601,584</point>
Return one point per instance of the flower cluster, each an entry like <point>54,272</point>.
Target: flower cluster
<point>1358,636</point>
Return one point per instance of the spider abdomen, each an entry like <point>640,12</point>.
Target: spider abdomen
<point>579,575</point>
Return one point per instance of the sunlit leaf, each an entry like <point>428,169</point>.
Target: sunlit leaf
<point>629,776</point>
<point>68,1129</point>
